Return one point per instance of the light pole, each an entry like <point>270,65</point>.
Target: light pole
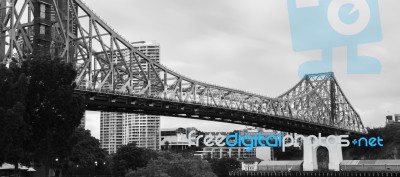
<point>55,166</point>
<point>95,165</point>
<point>75,170</point>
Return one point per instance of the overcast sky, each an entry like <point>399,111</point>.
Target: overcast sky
<point>246,44</point>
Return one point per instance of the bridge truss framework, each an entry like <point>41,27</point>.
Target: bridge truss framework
<point>114,76</point>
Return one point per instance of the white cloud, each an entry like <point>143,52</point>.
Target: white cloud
<point>93,123</point>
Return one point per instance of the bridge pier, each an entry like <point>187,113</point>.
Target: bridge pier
<point>310,147</point>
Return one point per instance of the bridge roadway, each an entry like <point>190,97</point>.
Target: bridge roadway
<point>155,105</point>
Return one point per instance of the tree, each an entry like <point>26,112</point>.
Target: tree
<point>85,151</point>
<point>391,140</point>
<point>53,111</point>
<point>167,144</point>
<point>130,157</point>
<point>86,148</point>
<point>37,97</point>
<point>109,164</point>
<point>13,129</point>
<point>169,164</point>
<point>222,167</point>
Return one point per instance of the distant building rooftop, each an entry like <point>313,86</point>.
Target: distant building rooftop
<point>250,159</point>
<point>281,162</point>
<point>151,42</point>
<point>6,166</point>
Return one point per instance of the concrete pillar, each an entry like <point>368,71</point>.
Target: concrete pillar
<point>310,148</point>
<point>335,157</point>
<point>309,156</point>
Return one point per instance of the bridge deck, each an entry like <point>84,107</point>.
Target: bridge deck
<point>156,106</point>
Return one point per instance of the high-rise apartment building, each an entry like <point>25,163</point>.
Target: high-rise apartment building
<point>83,121</point>
<point>117,129</point>
<point>111,131</point>
<point>144,130</point>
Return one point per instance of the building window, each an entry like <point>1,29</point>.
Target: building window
<point>42,29</point>
<point>42,11</point>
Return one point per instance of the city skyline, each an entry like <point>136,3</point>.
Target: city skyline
<point>247,46</point>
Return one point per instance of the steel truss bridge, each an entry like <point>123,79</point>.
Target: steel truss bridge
<point>114,76</point>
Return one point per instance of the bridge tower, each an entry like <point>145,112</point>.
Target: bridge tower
<point>40,28</point>
<point>42,23</point>
<point>3,12</point>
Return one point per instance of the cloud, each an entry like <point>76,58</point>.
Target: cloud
<point>93,123</point>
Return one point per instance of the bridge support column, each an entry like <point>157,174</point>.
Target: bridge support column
<point>310,147</point>
<point>309,155</point>
<point>335,157</point>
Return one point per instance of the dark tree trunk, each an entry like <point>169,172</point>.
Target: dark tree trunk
<point>46,167</point>
<point>16,169</point>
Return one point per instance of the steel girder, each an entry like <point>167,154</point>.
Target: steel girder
<point>319,98</point>
<point>107,63</point>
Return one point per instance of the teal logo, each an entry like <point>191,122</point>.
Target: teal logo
<point>326,24</point>
<point>368,142</point>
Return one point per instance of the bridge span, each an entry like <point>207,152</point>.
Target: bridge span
<point>114,76</point>
<point>306,108</point>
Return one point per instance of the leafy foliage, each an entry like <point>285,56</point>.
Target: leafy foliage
<point>53,110</point>
<point>85,152</point>
<point>38,109</point>
<point>130,157</point>
<point>390,150</point>
<point>85,149</point>
<point>13,129</point>
<point>169,164</point>
<point>222,167</point>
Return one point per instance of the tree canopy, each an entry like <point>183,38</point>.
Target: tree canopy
<point>391,141</point>
<point>169,164</point>
<point>13,128</point>
<point>85,153</point>
<point>39,111</point>
<point>85,149</point>
<point>131,157</point>
<point>222,167</point>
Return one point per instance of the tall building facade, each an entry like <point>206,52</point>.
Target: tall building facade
<point>117,129</point>
<point>144,130</point>
<point>111,131</point>
<point>83,121</point>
